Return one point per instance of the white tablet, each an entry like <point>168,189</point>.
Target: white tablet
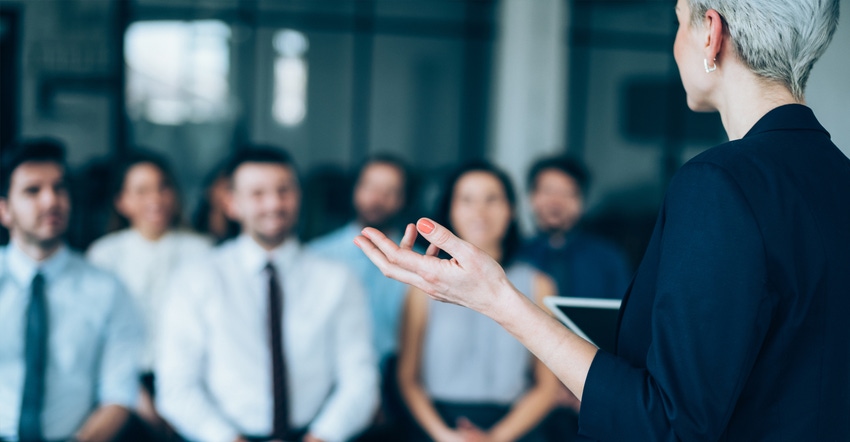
<point>593,319</point>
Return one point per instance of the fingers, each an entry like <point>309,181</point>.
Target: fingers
<point>432,250</point>
<point>377,247</point>
<point>409,238</point>
<point>442,238</point>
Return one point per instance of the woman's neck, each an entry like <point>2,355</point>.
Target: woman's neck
<point>746,98</point>
<point>150,233</point>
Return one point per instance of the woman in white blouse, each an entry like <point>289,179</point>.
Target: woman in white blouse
<point>146,248</point>
<point>462,376</point>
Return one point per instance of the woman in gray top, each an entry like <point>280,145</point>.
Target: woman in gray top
<point>462,376</point>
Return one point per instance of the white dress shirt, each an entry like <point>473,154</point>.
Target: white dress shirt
<point>214,366</point>
<point>94,339</point>
<point>146,268</point>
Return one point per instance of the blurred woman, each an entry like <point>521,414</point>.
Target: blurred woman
<point>210,216</point>
<point>461,375</point>
<point>147,247</point>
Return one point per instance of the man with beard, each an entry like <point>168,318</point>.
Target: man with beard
<point>69,335</point>
<point>380,194</point>
<point>582,265</point>
<point>263,340</point>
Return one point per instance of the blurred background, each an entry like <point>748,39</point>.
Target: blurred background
<point>435,82</point>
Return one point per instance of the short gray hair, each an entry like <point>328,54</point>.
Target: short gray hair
<point>777,39</point>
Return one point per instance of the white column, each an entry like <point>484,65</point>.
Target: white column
<point>530,87</point>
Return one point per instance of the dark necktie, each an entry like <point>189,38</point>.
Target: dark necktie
<point>35,335</point>
<point>280,422</point>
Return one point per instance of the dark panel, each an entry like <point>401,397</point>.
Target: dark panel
<point>9,74</point>
<point>361,78</point>
<point>477,69</point>
<point>655,108</point>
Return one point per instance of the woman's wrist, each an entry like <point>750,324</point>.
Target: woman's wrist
<point>499,434</point>
<point>440,433</point>
<point>508,302</point>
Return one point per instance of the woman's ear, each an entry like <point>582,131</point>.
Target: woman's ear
<point>714,35</point>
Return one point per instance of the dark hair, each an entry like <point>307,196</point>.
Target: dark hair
<point>511,241</point>
<point>134,158</point>
<point>258,153</point>
<point>39,150</point>
<point>563,163</point>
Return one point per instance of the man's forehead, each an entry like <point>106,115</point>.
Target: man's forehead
<point>37,171</point>
<point>382,170</point>
<point>260,172</point>
<point>557,174</point>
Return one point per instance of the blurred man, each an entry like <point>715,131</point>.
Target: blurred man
<point>380,195</point>
<point>69,336</point>
<point>581,264</point>
<point>263,340</point>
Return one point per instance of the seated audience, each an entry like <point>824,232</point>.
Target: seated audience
<point>69,334</point>
<point>262,340</point>
<point>147,249</point>
<point>461,375</point>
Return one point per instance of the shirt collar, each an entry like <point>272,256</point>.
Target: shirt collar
<point>23,268</point>
<point>787,117</point>
<point>137,236</point>
<point>255,258</point>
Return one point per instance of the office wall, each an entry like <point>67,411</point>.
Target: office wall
<point>828,92</point>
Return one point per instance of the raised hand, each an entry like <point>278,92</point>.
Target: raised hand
<point>471,278</point>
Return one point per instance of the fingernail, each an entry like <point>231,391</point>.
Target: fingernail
<point>356,243</point>
<point>425,226</point>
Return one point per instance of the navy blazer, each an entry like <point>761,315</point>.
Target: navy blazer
<point>737,323</point>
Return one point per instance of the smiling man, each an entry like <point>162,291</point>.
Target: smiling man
<point>263,340</point>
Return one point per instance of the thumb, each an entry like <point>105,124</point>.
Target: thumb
<point>441,237</point>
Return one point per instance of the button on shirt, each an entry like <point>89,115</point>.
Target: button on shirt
<point>214,378</point>
<point>384,295</point>
<point>93,343</point>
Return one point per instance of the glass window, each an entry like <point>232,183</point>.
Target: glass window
<point>290,77</point>
<point>177,71</point>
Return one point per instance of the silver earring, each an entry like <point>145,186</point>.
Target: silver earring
<point>709,69</point>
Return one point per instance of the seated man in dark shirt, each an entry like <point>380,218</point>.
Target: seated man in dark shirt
<point>581,264</point>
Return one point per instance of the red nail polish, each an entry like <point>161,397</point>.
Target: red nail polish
<point>425,226</point>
